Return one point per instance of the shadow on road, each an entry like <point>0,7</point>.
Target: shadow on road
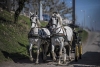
<point>89,58</point>
<point>16,57</point>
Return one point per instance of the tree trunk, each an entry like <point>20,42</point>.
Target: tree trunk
<point>9,5</point>
<point>19,9</point>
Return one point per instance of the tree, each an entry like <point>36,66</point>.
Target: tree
<point>21,4</point>
<point>50,6</point>
<point>9,5</point>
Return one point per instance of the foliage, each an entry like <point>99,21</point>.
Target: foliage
<point>50,6</point>
<point>84,36</point>
<point>43,23</point>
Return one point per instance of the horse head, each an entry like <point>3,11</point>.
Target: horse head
<point>34,20</point>
<point>56,21</point>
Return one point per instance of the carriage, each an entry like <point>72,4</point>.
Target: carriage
<point>59,37</point>
<point>77,44</point>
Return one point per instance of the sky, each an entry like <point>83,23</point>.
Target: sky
<point>87,13</point>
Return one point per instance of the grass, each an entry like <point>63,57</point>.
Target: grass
<point>43,23</point>
<point>13,37</point>
<point>84,34</point>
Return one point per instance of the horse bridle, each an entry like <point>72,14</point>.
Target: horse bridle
<point>34,22</point>
<point>55,24</point>
<point>56,19</point>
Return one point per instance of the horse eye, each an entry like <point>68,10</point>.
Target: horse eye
<point>31,17</point>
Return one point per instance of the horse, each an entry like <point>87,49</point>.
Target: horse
<point>68,31</point>
<point>57,38</point>
<point>36,36</point>
<point>67,26</point>
<point>61,34</point>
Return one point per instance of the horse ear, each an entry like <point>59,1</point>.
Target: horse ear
<point>30,13</point>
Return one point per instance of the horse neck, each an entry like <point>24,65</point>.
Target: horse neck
<point>60,23</point>
<point>60,20</point>
<point>34,25</point>
<point>38,23</point>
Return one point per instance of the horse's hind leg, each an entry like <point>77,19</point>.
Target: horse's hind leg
<point>53,55</point>
<point>69,51</point>
<point>64,59</point>
<point>30,52</point>
<point>45,51</point>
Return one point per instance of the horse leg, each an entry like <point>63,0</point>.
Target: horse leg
<point>60,52</point>
<point>45,51</point>
<point>64,59</point>
<point>69,51</point>
<point>30,52</point>
<point>42,46</point>
<point>52,51</point>
<point>37,57</point>
<point>53,55</point>
<point>70,48</point>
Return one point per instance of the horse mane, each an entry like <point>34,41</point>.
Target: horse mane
<point>60,19</point>
<point>38,23</point>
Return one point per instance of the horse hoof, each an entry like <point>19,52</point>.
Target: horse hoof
<point>44,61</point>
<point>59,64</point>
<point>31,59</point>
<point>36,62</point>
<point>54,60</point>
<point>64,62</point>
<point>70,59</point>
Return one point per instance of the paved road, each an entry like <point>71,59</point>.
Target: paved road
<point>90,57</point>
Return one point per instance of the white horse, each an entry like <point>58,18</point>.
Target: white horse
<point>57,38</point>
<point>35,35</point>
<point>62,36</point>
<point>68,32</point>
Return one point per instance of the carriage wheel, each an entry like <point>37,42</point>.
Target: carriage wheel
<point>80,50</point>
<point>76,53</point>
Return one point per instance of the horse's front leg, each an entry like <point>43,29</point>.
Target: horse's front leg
<point>30,52</point>
<point>38,48</point>
<point>52,51</point>
<point>60,54</point>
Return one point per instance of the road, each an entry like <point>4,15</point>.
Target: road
<point>90,57</point>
